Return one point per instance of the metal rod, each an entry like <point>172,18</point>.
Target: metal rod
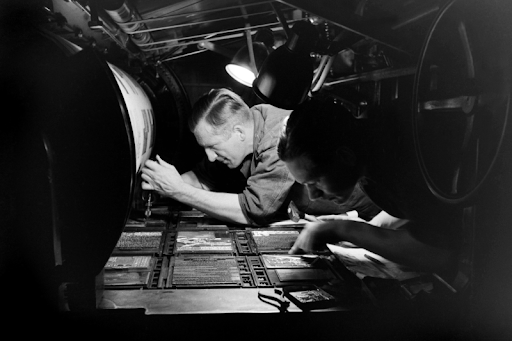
<point>208,45</point>
<point>190,24</point>
<point>325,68</point>
<point>188,14</point>
<point>282,20</point>
<point>452,289</point>
<point>251,52</point>
<point>248,37</point>
<point>374,75</point>
<point>182,55</point>
<point>416,17</point>
<point>210,39</point>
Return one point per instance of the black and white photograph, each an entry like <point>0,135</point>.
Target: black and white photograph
<point>199,169</point>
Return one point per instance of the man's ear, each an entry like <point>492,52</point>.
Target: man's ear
<point>240,131</point>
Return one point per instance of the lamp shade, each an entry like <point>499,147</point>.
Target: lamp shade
<point>240,66</point>
<point>284,79</point>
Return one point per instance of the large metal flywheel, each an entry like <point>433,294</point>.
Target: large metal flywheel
<point>461,103</point>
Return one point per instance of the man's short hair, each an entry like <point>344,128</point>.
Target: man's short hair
<point>326,134</point>
<point>221,108</point>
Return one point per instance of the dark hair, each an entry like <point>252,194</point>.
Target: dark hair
<point>329,136</point>
<point>219,107</point>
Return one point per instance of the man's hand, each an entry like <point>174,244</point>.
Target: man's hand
<point>313,237</point>
<point>165,179</point>
<point>162,177</point>
<point>339,217</point>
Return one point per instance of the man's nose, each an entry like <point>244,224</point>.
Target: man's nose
<point>212,156</point>
<point>314,193</point>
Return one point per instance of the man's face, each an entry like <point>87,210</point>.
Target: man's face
<point>325,186</point>
<point>228,149</point>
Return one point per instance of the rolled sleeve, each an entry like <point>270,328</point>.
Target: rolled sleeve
<point>267,188</point>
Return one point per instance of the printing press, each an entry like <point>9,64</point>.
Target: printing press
<point>93,89</point>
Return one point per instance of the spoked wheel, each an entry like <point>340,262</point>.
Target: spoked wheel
<point>461,100</point>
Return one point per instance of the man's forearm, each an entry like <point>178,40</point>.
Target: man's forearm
<point>396,245</point>
<point>191,178</point>
<point>222,206</point>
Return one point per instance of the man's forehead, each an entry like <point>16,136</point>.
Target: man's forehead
<point>301,167</point>
<point>205,133</point>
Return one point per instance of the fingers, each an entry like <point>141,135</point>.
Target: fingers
<point>310,217</point>
<point>152,164</point>
<point>161,161</point>
<point>146,173</point>
<point>161,177</point>
<point>339,217</point>
<point>302,244</point>
<point>357,219</point>
<point>295,250</point>
<point>327,217</point>
<point>146,182</point>
<point>311,238</point>
<point>147,186</point>
<point>296,246</point>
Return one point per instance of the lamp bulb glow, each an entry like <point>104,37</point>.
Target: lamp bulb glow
<point>241,74</point>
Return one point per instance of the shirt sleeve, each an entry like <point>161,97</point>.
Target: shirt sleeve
<point>267,188</point>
